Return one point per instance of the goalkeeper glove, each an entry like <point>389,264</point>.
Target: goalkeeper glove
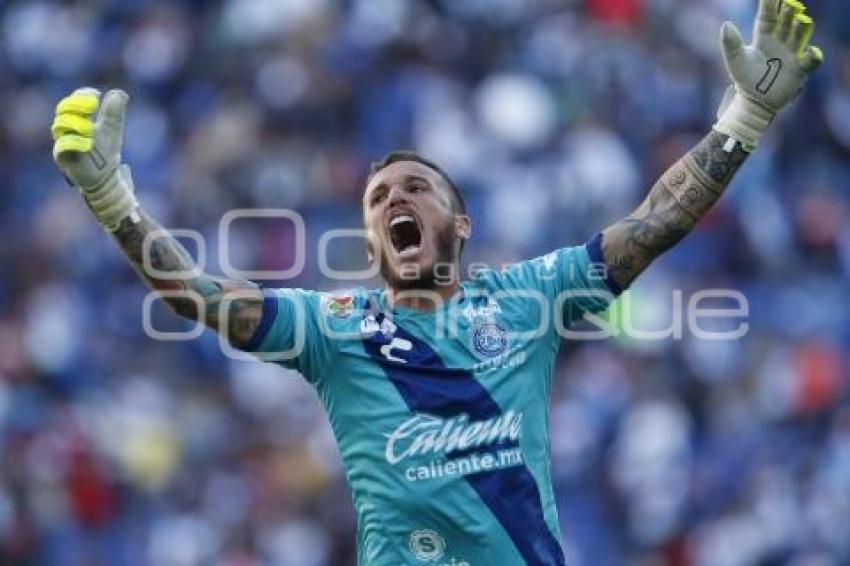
<point>87,149</point>
<point>768,74</point>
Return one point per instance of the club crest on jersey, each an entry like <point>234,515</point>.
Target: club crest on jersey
<point>489,339</point>
<point>339,306</point>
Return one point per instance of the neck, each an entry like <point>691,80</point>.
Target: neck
<point>425,300</point>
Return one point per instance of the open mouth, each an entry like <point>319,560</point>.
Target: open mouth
<point>405,233</point>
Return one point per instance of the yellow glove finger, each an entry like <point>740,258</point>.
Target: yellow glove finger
<point>73,143</point>
<point>802,29</point>
<point>789,9</point>
<point>811,59</point>
<point>82,104</point>
<point>71,124</point>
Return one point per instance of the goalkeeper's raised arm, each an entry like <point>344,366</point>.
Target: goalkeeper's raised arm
<point>88,131</point>
<point>766,77</point>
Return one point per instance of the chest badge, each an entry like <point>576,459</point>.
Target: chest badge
<point>489,339</point>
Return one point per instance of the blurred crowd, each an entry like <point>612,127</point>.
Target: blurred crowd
<point>555,116</point>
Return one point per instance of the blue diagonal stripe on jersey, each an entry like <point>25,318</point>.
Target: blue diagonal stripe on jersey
<point>511,494</point>
<point>266,320</point>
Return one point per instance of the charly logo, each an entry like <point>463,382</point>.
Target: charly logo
<point>427,545</point>
<point>489,339</point>
<point>427,435</point>
<point>370,326</point>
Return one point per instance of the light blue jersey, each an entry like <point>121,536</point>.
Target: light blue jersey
<point>442,417</point>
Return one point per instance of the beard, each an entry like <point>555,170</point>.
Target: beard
<point>425,277</point>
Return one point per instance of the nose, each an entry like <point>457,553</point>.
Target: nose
<point>396,195</point>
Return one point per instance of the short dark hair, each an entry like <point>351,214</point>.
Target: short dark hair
<point>408,155</point>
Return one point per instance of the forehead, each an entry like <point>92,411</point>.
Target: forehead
<point>399,172</point>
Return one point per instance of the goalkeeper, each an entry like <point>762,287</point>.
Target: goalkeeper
<point>444,437</point>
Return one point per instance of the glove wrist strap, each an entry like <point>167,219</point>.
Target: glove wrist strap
<point>744,120</point>
<point>113,200</point>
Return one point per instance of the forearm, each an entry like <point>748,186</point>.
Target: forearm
<point>676,203</point>
<point>195,296</point>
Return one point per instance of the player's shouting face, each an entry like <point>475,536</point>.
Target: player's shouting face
<point>415,224</point>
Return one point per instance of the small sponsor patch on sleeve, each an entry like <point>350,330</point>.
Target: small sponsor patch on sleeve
<point>340,306</point>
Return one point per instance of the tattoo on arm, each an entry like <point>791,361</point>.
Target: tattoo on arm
<point>673,207</point>
<point>243,309</point>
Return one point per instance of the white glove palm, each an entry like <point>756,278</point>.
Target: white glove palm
<point>768,74</point>
<point>88,151</point>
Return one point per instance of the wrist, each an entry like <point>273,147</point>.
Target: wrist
<point>113,200</point>
<point>744,120</point>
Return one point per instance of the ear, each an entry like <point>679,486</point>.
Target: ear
<point>463,226</point>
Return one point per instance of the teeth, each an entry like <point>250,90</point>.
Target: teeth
<point>400,219</point>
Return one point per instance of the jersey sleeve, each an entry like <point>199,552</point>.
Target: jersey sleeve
<point>574,280</point>
<point>290,332</point>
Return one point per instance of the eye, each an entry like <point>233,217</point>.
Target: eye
<point>377,197</point>
<point>416,186</point>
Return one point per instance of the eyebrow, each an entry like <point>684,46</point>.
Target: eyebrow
<point>407,178</point>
